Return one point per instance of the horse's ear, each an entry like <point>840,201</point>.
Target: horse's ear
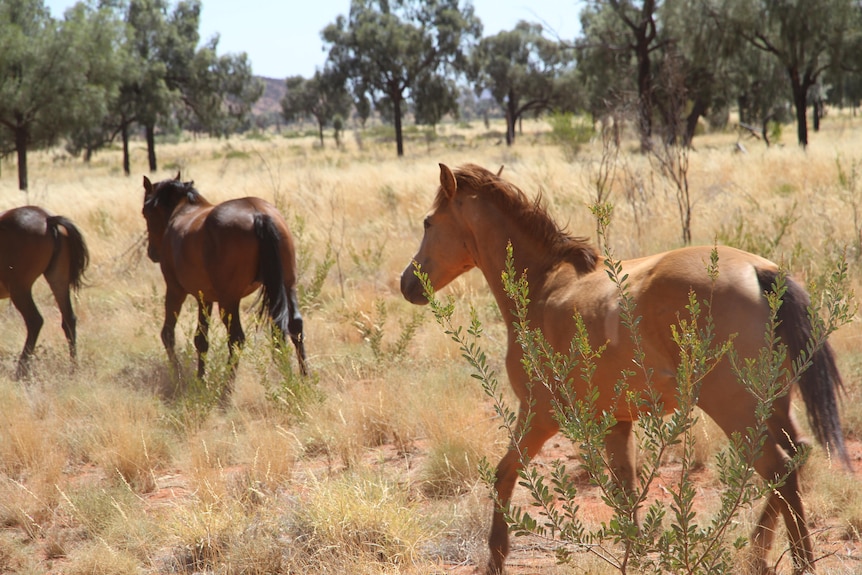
<point>500,171</point>
<point>148,187</point>
<point>178,176</point>
<point>447,181</point>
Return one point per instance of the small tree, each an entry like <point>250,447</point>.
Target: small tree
<point>322,97</point>
<point>521,69</point>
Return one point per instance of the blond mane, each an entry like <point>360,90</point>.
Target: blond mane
<point>533,215</point>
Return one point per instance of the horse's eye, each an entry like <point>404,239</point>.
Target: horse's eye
<point>426,223</point>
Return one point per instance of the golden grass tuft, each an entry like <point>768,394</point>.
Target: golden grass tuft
<point>358,517</point>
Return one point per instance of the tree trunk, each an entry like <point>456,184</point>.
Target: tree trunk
<point>644,99</point>
<point>817,108</point>
<point>151,146</point>
<point>320,132</point>
<point>799,87</point>
<point>399,137</point>
<point>697,111</point>
<point>511,118</point>
<point>21,140</point>
<point>127,166</point>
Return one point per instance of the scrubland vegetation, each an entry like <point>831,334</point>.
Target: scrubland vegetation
<point>371,465</point>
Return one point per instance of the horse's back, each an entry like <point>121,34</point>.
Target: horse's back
<point>26,246</point>
<point>659,286</point>
<point>219,253</point>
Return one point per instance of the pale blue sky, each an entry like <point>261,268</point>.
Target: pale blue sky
<point>282,37</point>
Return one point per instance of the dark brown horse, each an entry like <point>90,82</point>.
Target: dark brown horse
<point>475,215</point>
<point>221,253</point>
<point>33,243</point>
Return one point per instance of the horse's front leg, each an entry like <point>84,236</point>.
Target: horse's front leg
<point>541,428</point>
<point>173,303</point>
<point>205,310</point>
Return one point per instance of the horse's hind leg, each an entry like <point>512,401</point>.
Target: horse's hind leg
<point>23,302</point>
<point>787,501</point>
<point>295,328</point>
<point>202,345</point>
<point>619,447</point>
<point>63,297</point>
<point>236,339</point>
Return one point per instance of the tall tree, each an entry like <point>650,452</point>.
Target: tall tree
<point>520,68</point>
<point>322,97</point>
<point>180,81</point>
<point>435,96</point>
<point>50,76</point>
<point>605,66</point>
<point>386,47</point>
<point>96,124</point>
<point>800,35</point>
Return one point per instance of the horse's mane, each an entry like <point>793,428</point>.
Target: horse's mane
<point>533,215</point>
<point>170,193</point>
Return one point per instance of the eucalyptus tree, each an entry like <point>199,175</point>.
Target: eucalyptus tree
<point>53,73</point>
<point>435,97</point>
<point>640,40</point>
<point>385,48</point>
<point>178,79</point>
<point>801,36</point>
<point>695,65</point>
<point>219,91</point>
<point>521,69</point>
<point>100,121</point>
<point>322,97</point>
<point>604,62</point>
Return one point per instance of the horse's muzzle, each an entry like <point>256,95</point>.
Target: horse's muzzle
<point>411,287</point>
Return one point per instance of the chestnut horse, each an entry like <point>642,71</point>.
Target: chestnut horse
<point>220,254</point>
<point>33,243</point>
<point>474,216</point>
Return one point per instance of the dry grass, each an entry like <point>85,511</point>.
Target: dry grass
<point>374,468</point>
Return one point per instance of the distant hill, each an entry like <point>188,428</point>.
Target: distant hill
<point>270,102</point>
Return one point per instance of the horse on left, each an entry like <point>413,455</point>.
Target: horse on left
<point>32,243</point>
<point>220,254</point>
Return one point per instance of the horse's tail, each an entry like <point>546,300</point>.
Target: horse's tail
<point>79,255</point>
<point>820,383</point>
<point>273,295</point>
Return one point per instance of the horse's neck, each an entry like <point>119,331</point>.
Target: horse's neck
<point>529,261</point>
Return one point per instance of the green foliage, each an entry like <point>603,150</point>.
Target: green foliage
<point>55,76</point>
<point>392,52</point>
<point>570,133</point>
<point>525,73</point>
<point>373,331</point>
<point>286,388</point>
<point>310,287</point>
<point>322,97</point>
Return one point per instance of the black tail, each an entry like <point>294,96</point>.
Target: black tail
<point>79,255</point>
<point>820,383</point>
<point>273,298</point>
<point>279,301</point>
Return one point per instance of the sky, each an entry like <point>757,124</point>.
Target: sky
<point>282,37</point>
